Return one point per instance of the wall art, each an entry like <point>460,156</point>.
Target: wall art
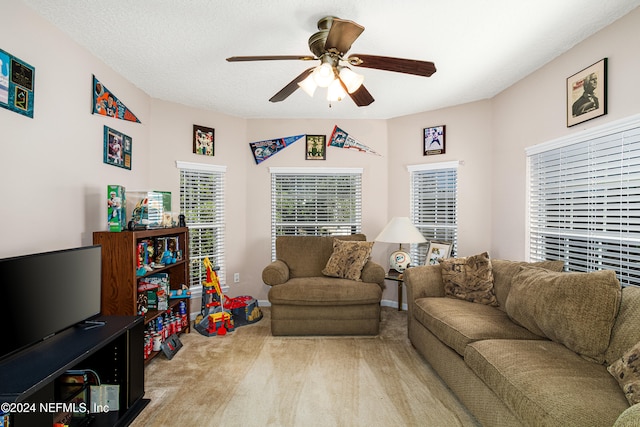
<point>316,147</point>
<point>105,103</point>
<point>434,140</point>
<point>203,141</point>
<point>587,94</point>
<point>117,148</point>
<point>341,139</point>
<point>17,79</point>
<point>262,150</point>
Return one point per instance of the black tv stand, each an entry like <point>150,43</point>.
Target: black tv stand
<point>112,347</point>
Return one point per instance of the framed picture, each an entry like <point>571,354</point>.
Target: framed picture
<point>203,142</point>
<point>434,140</point>
<point>437,251</point>
<point>587,94</point>
<point>316,148</point>
<point>117,148</point>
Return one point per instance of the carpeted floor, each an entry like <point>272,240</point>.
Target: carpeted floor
<point>250,378</point>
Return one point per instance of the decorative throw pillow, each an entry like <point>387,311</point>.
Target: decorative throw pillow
<point>626,371</point>
<point>469,278</point>
<point>348,259</point>
<point>577,310</point>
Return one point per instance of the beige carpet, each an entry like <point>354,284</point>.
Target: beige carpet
<point>250,378</point>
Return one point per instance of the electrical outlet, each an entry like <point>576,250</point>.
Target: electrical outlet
<point>236,277</point>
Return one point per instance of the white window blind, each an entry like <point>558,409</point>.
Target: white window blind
<point>434,195</point>
<point>315,202</point>
<point>584,200</point>
<point>202,204</point>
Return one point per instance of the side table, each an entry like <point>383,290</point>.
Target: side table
<point>396,277</point>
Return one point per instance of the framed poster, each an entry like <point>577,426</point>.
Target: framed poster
<point>587,94</point>
<point>117,148</point>
<point>316,147</point>
<point>203,141</point>
<point>434,140</point>
<point>437,251</point>
<point>17,79</point>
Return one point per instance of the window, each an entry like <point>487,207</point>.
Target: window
<point>202,204</point>
<point>434,196</point>
<point>315,202</point>
<point>584,200</point>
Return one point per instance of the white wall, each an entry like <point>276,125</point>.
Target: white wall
<point>53,180</point>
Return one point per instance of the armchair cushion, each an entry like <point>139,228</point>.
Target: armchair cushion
<point>348,259</point>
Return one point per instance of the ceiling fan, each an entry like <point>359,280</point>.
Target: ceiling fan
<point>330,45</point>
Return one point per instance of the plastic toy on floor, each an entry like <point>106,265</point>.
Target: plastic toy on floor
<point>214,319</point>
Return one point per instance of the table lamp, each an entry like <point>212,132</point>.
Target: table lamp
<point>400,230</point>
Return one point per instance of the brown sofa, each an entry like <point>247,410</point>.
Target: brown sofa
<point>304,301</point>
<point>548,367</point>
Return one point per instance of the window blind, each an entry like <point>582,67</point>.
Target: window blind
<point>202,203</point>
<point>584,200</point>
<point>433,198</point>
<point>315,202</point>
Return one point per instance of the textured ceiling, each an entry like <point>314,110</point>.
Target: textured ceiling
<point>175,50</point>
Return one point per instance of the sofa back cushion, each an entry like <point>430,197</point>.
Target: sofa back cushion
<point>306,256</point>
<point>504,272</point>
<point>626,331</point>
<point>574,309</point>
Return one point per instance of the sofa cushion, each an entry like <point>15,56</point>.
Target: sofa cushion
<point>347,259</point>
<point>325,291</point>
<point>457,323</point>
<point>574,309</point>
<point>469,278</point>
<point>546,384</point>
<point>626,330</point>
<point>505,270</point>
<point>626,371</point>
<point>306,256</point>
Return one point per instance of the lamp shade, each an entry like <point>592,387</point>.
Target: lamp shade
<point>400,230</point>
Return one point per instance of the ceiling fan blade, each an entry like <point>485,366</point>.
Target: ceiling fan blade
<point>398,65</point>
<point>362,97</point>
<point>271,58</point>
<point>342,34</point>
<point>291,87</point>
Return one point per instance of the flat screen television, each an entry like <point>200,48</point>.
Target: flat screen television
<point>43,294</point>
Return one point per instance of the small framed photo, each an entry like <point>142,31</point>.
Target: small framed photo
<point>587,94</point>
<point>203,142</point>
<point>434,140</point>
<point>117,148</point>
<point>437,251</point>
<point>316,148</point>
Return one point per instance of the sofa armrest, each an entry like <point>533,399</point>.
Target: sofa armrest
<point>630,417</point>
<point>373,273</point>
<point>275,273</point>
<point>424,281</point>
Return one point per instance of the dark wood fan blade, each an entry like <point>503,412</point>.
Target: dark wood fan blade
<point>291,87</point>
<point>270,58</point>
<point>342,34</point>
<point>398,65</point>
<point>362,97</point>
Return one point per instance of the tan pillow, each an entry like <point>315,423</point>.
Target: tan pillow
<point>469,278</point>
<point>348,259</point>
<point>626,371</point>
<point>574,309</point>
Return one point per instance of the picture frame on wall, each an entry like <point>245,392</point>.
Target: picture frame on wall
<point>117,148</point>
<point>434,140</point>
<point>437,251</point>
<point>203,140</point>
<point>587,93</point>
<point>316,147</point>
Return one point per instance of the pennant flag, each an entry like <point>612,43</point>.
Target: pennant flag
<point>106,104</point>
<point>341,139</point>
<point>262,150</point>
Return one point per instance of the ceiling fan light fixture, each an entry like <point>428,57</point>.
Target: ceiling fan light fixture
<point>308,85</point>
<point>351,79</point>
<point>324,75</point>
<point>335,92</point>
